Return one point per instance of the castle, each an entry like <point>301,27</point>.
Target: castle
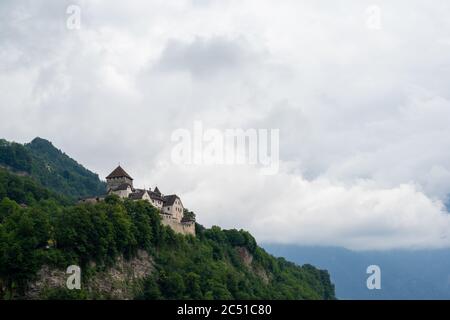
<point>171,208</point>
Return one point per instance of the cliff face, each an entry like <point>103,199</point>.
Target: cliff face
<point>122,281</point>
<point>247,260</point>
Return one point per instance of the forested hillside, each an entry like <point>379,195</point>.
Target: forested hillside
<point>25,190</point>
<point>217,264</point>
<point>50,167</point>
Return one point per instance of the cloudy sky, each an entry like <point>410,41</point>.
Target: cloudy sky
<point>358,89</point>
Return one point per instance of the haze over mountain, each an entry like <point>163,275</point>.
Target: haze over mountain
<point>405,274</point>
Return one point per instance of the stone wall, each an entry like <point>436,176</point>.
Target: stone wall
<point>180,227</point>
<point>124,194</point>
<point>115,182</point>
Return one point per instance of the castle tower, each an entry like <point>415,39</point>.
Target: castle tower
<point>118,178</point>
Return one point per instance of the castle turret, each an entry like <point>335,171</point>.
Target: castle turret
<point>119,179</point>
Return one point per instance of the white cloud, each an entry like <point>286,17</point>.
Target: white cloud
<point>287,208</point>
<point>363,114</point>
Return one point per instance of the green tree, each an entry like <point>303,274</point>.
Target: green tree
<point>172,285</point>
<point>193,287</point>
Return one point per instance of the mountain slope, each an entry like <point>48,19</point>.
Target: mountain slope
<point>50,167</point>
<point>25,190</point>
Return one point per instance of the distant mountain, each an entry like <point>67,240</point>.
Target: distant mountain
<point>422,274</point>
<point>50,167</point>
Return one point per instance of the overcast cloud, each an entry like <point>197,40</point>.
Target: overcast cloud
<point>364,114</point>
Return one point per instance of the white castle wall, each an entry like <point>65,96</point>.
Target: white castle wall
<point>123,193</point>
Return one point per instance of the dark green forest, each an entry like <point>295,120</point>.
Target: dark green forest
<point>41,227</point>
<point>50,167</point>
